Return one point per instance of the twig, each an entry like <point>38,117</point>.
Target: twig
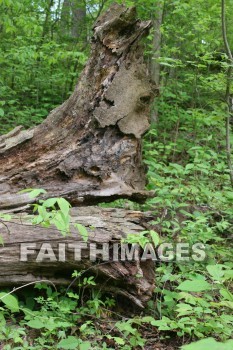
<point>29,284</point>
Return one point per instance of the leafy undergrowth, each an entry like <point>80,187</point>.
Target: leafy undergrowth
<point>45,318</point>
<point>193,205</point>
<point>191,308</point>
<point>192,304</point>
<point>187,170</point>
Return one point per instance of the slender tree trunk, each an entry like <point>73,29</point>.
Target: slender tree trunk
<point>46,21</point>
<point>78,33</point>
<point>65,18</point>
<point>73,20</point>
<point>78,27</point>
<point>155,65</point>
<point>57,18</point>
<point>228,92</point>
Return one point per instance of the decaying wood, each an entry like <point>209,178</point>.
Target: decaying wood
<point>89,149</point>
<point>132,279</point>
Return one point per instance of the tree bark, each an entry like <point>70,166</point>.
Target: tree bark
<point>157,38</point>
<point>65,18</point>
<point>78,19</point>
<point>228,93</point>
<point>89,149</point>
<point>133,280</point>
<point>73,17</point>
<point>45,25</point>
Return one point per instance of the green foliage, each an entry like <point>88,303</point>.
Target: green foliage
<point>52,211</point>
<point>143,238</point>
<point>209,343</point>
<point>194,286</point>
<point>73,343</point>
<point>192,204</point>
<point>54,317</point>
<point>83,231</point>
<point>39,64</point>
<point>187,169</point>
<point>10,301</point>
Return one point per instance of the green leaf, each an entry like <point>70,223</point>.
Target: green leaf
<point>10,301</point>
<point>64,205</point>
<point>229,195</point>
<point>70,343</point>
<point>6,217</point>
<point>228,275</point>
<point>184,309</point>
<point>33,193</point>
<point>84,326</point>
<point>216,272</point>
<point>163,324</point>
<point>194,286</point>
<point>189,298</point>
<point>155,237</point>
<point>36,324</point>
<point>227,303</point>
<point>50,202</point>
<point>189,167</point>
<point>2,319</point>
<point>1,112</point>
<point>83,231</point>
<point>148,319</point>
<point>226,294</point>
<point>61,224</point>
<point>209,343</point>
<point>85,345</point>
<point>118,340</point>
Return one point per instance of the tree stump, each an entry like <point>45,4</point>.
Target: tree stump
<point>88,150</point>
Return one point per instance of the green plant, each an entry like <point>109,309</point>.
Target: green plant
<point>193,307</point>
<point>52,211</point>
<point>184,152</point>
<point>143,238</point>
<point>209,343</point>
<point>54,317</point>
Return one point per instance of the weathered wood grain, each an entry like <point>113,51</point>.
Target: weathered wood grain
<point>88,150</point>
<point>132,279</point>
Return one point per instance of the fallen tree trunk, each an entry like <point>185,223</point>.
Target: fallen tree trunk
<point>33,253</point>
<point>89,149</point>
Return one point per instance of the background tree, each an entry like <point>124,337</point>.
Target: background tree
<point>43,47</point>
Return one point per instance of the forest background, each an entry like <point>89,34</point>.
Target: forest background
<point>44,45</point>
